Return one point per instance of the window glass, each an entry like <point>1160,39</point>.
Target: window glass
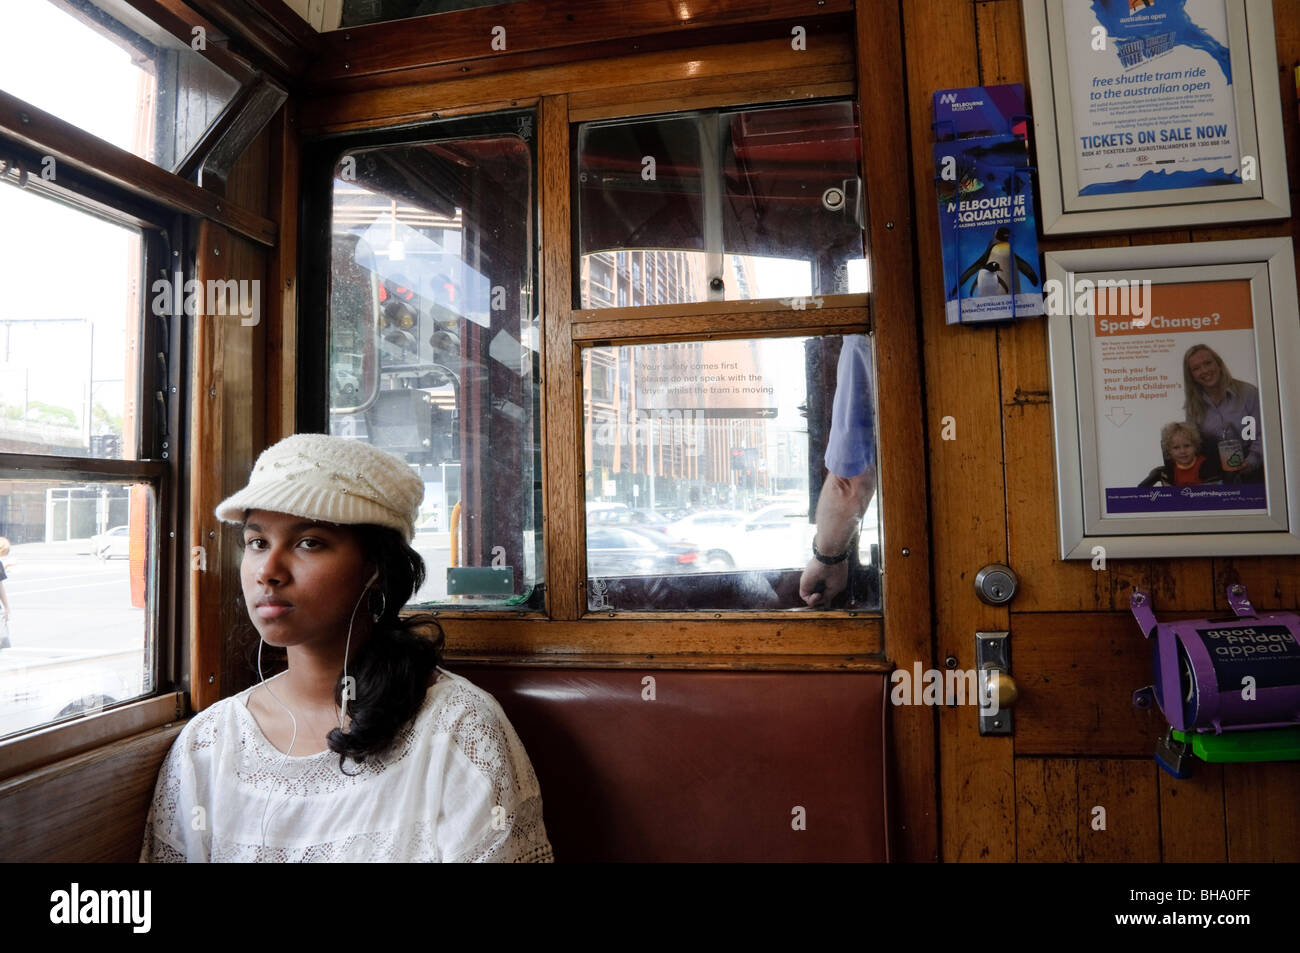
<point>718,205</point>
<point>69,343</point>
<point>360,12</point>
<point>134,84</point>
<point>434,349</point>
<point>705,464</point>
<point>77,573</point>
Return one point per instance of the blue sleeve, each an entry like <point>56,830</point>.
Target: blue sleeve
<point>851,447</point>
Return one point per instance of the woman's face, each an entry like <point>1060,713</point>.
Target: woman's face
<point>1204,368</point>
<point>1181,449</point>
<point>302,579</point>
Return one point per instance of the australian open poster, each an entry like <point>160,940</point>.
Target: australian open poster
<point>1151,85</point>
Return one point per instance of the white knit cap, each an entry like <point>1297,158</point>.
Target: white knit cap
<point>332,479</point>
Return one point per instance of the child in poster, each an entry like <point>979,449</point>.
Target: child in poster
<point>1185,463</point>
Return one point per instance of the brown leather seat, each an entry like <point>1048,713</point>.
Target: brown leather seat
<point>713,769</point>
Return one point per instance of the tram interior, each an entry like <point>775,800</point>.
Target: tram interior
<point>593,271</point>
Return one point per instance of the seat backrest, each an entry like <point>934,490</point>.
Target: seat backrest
<point>702,765</point>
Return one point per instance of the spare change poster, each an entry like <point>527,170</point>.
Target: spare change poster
<point>1158,452</point>
<point>1153,109</point>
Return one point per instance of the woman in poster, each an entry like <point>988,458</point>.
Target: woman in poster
<point>1226,411</point>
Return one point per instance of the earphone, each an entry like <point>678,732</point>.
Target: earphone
<point>343,713</point>
<point>343,717</point>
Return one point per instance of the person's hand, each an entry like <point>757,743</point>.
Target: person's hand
<point>820,583</point>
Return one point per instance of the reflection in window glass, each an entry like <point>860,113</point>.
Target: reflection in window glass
<point>360,12</point>
<point>133,84</point>
<point>434,349</point>
<point>705,462</point>
<point>76,572</point>
<point>720,205</point>
<point>69,343</point>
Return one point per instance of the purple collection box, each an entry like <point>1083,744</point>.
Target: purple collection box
<point>1222,675</point>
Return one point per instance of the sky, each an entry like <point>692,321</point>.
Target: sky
<point>56,262</point>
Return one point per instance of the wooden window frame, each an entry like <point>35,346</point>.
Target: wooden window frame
<point>106,180</point>
<point>100,193</point>
<point>868,45</point>
<point>748,73</point>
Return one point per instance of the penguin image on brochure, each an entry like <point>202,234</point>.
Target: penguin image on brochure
<point>998,252</point>
<point>989,282</point>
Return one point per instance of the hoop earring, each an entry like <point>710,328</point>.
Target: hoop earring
<point>383,606</point>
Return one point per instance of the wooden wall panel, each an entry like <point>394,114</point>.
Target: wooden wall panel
<point>228,426</point>
<point>464,40</point>
<point>333,112</point>
<point>282,293</point>
<point>1077,673</point>
<point>1192,828</point>
<point>233,405</point>
<point>1127,790</point>
<point>87,809</point>
<point>903,506</point>
<point>1087,810</point>
<point>1076,652</point>
<point>1047,791</point>
<point>968,511</point>
<point>1046,581</point>
<point>1260,806</point>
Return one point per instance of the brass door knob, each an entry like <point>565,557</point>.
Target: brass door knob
<point>1003,687</point>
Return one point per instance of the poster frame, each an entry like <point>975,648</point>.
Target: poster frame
<point>1258,109</point>
<point>1270,265</point>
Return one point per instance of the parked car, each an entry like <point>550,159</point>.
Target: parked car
<point>637,518</point>
<point>714,532</point>
<point>114,544</point>
<point>625,551</point>
<point>778,536</point>
<point>40,685</point>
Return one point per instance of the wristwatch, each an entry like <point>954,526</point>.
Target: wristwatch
<point>832,560</point>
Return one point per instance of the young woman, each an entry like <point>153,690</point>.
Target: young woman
<point>1221,406</point>
<point>364,748</point>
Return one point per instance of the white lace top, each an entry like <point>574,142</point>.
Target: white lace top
<point>455,786</point>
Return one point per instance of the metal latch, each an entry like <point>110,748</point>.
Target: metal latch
<point>997,688</point>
